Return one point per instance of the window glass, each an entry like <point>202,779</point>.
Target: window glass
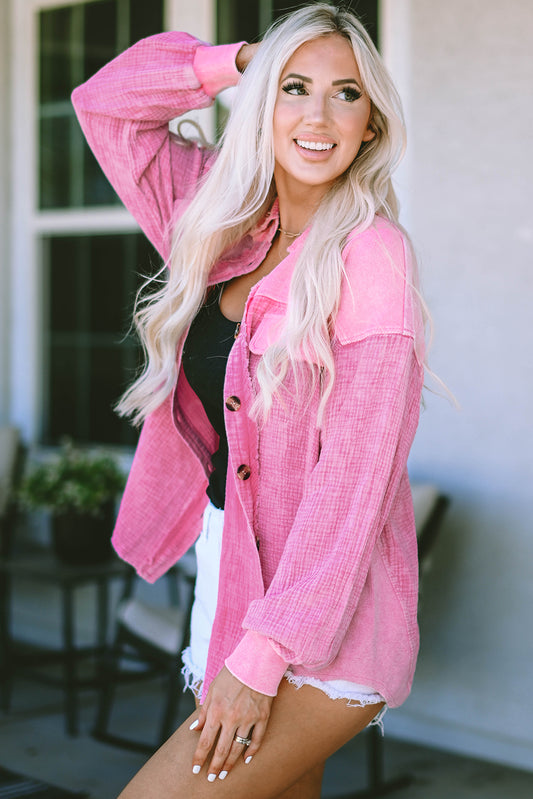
<point>91,353</point>
<point>98,35</point>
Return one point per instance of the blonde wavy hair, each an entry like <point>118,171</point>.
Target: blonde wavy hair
<point>241,179</point>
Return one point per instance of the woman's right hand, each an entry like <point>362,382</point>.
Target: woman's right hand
<point>245,55</point>
<point>230,708</point>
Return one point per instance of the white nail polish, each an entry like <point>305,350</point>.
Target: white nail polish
<point>211,777</point>
<point>196,769</point>
<point>222,775</point>
<point>194,725</point>
<point>248,759</point>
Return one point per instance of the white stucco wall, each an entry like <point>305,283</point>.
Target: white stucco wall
<point>470,183</point>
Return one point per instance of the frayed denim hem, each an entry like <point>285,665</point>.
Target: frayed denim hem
<point>194,677</point>
<point>353,698</point>
<point>190,673</point>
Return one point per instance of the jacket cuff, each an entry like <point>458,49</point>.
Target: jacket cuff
<point>215,67</point>
<point>256,664</point>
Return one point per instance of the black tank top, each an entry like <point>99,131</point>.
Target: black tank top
<point>205,355</point>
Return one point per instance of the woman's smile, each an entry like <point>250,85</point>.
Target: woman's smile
<point>315,150</point>
<point>309,144</point>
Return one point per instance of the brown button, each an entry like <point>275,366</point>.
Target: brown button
<point>244,472</point>
<point>233,403</point>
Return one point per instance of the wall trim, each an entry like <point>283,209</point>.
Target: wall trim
<point>395,20</point>
<point>5,214</point>
<point>25,289</point>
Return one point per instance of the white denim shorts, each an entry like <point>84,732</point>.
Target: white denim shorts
<point>208,549</point>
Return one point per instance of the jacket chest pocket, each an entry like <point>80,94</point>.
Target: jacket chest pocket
<point>266,333</point>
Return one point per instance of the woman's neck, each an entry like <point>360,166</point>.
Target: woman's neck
<point>297,207</point>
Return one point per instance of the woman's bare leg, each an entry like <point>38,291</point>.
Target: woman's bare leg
<point>308,787</point>
<point>304,729</point>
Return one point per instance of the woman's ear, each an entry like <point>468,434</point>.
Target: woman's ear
<point>370,132</point>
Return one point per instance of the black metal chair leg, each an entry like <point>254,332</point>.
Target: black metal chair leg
<point>377,785</point>
<point>70,662</point>
<point>107,678</point>
<point>175,687</point>
<point>6,662</point>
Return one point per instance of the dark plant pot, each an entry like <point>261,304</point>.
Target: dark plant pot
<point>83,540</point>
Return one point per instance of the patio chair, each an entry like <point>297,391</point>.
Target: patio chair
<point>147,644</point>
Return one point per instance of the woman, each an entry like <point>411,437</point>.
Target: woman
<point>284,373</point>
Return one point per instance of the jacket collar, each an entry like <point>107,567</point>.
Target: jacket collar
<point>271,216</point>
<point>243,258</point>
<point>276,284</point>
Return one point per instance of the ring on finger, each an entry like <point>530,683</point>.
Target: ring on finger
<point>243,741</point>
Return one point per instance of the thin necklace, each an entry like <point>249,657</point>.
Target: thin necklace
<point>290,235</point>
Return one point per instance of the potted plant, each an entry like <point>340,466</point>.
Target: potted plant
<point>79,488</point>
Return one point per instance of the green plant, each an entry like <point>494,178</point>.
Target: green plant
<point>77,480</point>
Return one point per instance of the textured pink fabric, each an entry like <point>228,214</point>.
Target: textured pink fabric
<point>215,67</point>
<point>319,559</point>
<point>256,659</point>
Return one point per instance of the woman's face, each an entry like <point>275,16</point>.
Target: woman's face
<point>321,115</point>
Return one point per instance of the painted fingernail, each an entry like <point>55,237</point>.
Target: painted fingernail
<point>194,725</point>
<point>196,769</point>
<point>222,775</point>
<point>248,759</point>
<point>211,777</point>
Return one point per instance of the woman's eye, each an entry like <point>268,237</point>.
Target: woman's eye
<point>295,88</point>
<point>350,94</point>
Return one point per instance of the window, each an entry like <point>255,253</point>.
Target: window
<point>89,268</point>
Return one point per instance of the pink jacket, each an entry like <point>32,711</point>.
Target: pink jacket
<point>319,564</point>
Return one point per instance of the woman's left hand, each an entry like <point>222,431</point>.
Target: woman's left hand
<point>230,709</point>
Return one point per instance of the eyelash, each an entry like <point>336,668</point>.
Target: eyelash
<point>351,93</point>
<point>293,85</point>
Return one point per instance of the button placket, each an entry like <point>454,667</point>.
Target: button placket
<point>239,428</point>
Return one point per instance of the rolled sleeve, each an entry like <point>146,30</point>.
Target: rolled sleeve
<point>215,67</point>
<point>256,663</point>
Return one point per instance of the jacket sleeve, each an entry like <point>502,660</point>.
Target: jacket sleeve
<point>124,111</point>
<point>369,426</point>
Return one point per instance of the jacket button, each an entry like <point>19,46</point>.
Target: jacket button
<point>233,403</point>
<point>244,472</point>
